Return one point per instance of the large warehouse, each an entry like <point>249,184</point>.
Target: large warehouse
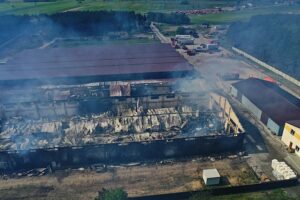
<point>108,104</point>
<point>91,64</point>
<point>268,102</point>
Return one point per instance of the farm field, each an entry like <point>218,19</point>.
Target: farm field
<point>143,6</point>
<point>92,5</point>
<point>243,15</point>
<point>140,180</point>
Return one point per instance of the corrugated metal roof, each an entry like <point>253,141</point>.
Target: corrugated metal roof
<point>106,60</point>
<point>211,173</point>
<point>295,123</point>
<point>272,100</point>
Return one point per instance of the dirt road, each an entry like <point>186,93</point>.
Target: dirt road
<point>137,180</point>
<point>160,36</point>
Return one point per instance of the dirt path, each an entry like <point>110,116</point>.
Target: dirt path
<point>137,180</point>
<point>47,44</point>
<point>73,9</point>
<point>160,36</point>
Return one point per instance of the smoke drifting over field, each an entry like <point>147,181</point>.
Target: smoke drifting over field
<point>43,28</point>
<point>273,39</point>
<point>32,31</point>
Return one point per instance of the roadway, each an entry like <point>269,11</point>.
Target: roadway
<point>159,35</point>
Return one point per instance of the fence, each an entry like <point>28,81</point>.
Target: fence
<point>269,67</point>
<point>121,152</point>
<point>223,190</point>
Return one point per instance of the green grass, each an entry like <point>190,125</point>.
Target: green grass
<point>278,194</point>
<point>155,5</point>
<point>166,29</point>
<point>92,5</point>
<point>20,8</point>
<point>242,15</point>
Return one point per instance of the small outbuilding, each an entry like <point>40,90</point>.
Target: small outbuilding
<point>211,177</point>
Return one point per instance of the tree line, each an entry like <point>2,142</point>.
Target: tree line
<point>83,23</point>
<point>72,24</point>
<point>273,39</point>
<point>168,18</point>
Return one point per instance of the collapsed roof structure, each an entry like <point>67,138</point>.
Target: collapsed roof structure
<point>108,104</point>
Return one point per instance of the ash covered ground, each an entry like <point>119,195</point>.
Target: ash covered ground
<point>130,125</point>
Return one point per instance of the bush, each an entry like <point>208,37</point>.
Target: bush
<point>184,2</point>
<point>272,38</point>
<point>114,194</point>
<point>180,30</point>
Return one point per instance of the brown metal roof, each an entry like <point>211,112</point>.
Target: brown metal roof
<point>270,99</point>
<point>106,60</point>
<point>295,123</point>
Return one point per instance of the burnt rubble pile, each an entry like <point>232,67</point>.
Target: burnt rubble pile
<point>108,127</point>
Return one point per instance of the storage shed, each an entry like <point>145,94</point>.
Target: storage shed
<point>269,103</point>
<point>211,177</point>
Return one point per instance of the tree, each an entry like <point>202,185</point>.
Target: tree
<point>113,194</point>
<point>180,30</point>
<point>203,195</point>
<point>184,2</point>
<point>273,39</point>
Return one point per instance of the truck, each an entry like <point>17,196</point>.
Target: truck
<point>184,39</point>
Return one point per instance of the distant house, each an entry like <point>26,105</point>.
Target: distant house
<point>269,103</point>
<point>291,135</point>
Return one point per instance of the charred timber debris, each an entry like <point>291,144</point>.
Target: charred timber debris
<point>113,122</point>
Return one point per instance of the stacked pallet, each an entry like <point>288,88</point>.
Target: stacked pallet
<point>282,171</point>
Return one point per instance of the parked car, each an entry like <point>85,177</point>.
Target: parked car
<point>200,49</point>
<point>191,52</point>
<point>177,46</point>
<point>184,47</point>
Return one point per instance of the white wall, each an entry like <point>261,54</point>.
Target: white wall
<point>269,67</point>
<point>287,137</point>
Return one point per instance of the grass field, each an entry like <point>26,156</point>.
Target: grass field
<point>36,8</point>
<point>242,15</point>
<point>143,6</point>
<point>132,5</point>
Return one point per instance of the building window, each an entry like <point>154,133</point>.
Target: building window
<point>292,132</point>
<point>154,97</point>
<point>297,148</point>
<point>170,96</point>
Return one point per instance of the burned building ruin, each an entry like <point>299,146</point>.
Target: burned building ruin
<point>125,104</point>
